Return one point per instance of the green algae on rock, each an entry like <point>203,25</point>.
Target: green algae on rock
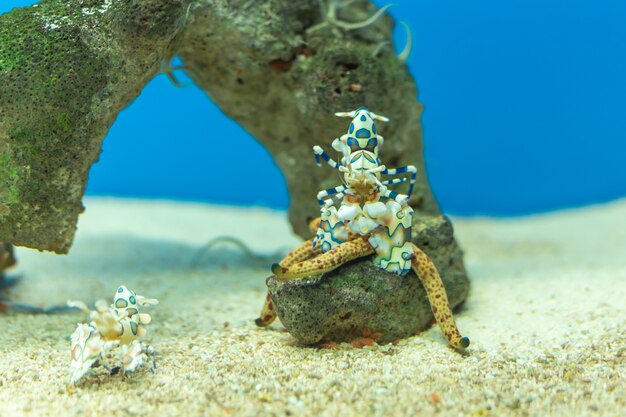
<point>67,68</point>
<point>357,297</point>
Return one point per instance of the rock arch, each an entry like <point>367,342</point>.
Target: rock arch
<point>67,68</point>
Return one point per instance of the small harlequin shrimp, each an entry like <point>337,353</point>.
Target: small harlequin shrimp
<point>118,325</point>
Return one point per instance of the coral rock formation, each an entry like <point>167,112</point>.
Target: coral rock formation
<point>278,67</point>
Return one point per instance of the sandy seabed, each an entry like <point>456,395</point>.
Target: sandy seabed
<point>546,316</point>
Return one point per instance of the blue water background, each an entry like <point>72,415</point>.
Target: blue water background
<point>525,111</point>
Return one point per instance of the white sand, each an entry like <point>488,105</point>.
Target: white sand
<point>546,317</point>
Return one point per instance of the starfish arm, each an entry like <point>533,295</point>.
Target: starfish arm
<point>427,273</point>
<point>326,262</point>
<point>301,253</point>
<point>268,313</point>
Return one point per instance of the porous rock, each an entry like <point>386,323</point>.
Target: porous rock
<point>343,304</point>
<point>68,67</point>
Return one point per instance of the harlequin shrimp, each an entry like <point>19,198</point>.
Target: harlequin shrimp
<point>118,325</point>
<point>362,142</point>
<point>371,220</point>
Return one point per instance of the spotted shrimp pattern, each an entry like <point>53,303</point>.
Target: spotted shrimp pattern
<point>117,326</point>
<point>362,135</point>
<point>370,220</point>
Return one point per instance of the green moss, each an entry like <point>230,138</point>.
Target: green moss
<point>67,67</point>
<point>50,73</point>
<point>8,177</point>
<point>8,56</point>
<point>50,76</point>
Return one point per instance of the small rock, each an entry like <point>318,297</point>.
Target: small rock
<point>359,297</point>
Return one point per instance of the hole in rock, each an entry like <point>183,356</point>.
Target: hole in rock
<point>174,143</point>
